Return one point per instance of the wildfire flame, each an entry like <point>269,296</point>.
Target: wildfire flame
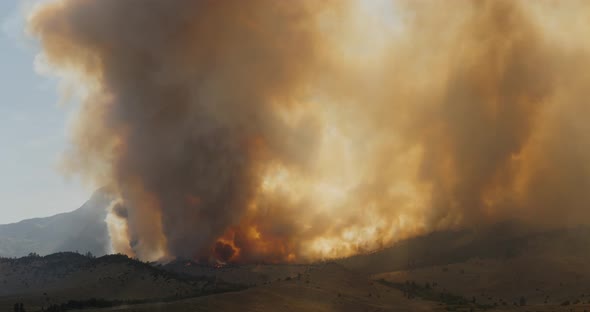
<point>292,131</point>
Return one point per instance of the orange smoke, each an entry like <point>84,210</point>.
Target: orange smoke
<point>295,131</point>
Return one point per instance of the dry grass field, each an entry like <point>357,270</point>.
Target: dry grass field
<point>514,270</point>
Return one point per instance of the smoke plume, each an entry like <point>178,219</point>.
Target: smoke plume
<point>300,130</point>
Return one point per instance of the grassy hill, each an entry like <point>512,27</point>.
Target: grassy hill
<point>322,287</point>
<point>506,267</point>
<point>63,277</point>
<point>492,282</point>
<point>498,241</point>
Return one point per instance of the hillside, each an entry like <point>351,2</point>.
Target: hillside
<point>506,267</point>
<point>72,279</point>
<point>247,274</point>
<point>82,230</point>
<point>452,246</point>
<point>503,270</point>
<point>62,277</point>
<point>321,287</point>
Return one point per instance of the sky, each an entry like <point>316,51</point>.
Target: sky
<point>33,129</point>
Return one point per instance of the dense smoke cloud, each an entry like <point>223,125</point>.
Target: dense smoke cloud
<point>292,131</point>
<point>500,133</point>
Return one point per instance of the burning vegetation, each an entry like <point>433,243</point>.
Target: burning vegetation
<point>291,131</point>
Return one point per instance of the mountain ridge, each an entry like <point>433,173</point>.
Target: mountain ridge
<point>83,229</point>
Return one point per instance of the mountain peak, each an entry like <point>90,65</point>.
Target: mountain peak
<point>83,229</point>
